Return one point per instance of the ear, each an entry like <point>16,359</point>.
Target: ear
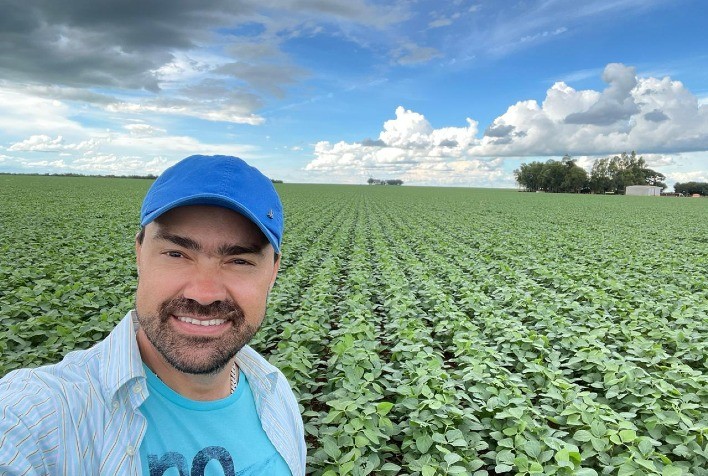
<point>276,267</point>
<point>138,249</point>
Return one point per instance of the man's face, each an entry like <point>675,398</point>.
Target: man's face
<point>204,277</point>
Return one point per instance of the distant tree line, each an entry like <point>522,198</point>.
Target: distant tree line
<point>74,174</point>
<point>373,181</point>
<point>689,188</point>
<point>608,175</point>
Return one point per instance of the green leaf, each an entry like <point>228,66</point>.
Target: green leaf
<point>383,408</point>
<point>598,429</point>
<point>532,448</point>
<point>670,470</point>
<point>456,470</point>
<point>423,443</point>
<point>682,450</point>
<point>646,464</point>
<point>645,447</point>
<point>372,435</point>
<point>535,468</point>
<point>454,434</point>
<point>505,457</point>
<point>627,436</point>
<point>582,435</point>
<point>331,448</point>
<point>345,468</point>
<point>626,469</point>
<point>428,470</point>
<point>522,463</point>
<point>390,467</point>
<point>360,440</point>
<point>568,457</point>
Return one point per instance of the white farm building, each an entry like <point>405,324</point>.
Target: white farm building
<point>643,190</point>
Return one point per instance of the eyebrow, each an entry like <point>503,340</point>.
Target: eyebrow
<point>223,250</point>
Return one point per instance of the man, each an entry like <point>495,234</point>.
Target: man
<point>174,389</point>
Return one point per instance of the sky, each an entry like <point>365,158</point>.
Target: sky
<point>444,93</point>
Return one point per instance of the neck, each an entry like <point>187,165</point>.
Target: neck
<point>200,387</point>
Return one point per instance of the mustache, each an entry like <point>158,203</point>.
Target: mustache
<point>227,310</point>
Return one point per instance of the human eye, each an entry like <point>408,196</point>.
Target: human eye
<point>240,262</point>
<point>174,254</point>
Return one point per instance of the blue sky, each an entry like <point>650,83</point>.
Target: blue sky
<point>456,93</point>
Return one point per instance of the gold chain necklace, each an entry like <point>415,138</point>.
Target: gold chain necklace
<point>233,377</point>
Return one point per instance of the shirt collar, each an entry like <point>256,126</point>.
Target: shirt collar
<point>260,373</point>
<point>120,357</point>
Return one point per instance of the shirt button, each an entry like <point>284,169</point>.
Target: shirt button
<point>130,450</point>
<point>115,405</point>
<point>137,388</point>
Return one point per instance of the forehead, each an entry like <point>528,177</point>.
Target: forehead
<point>209,222</point>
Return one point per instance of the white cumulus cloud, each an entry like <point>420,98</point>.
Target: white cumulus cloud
<point>632,113</point>
<point>45,143</point>
<point>657,117</point>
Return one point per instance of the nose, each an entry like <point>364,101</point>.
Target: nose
<point>205,286</point>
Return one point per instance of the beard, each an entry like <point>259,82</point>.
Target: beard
<point>197,354</point>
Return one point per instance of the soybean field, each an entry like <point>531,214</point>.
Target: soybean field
<point>425,331</point>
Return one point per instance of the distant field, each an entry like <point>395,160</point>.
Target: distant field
<point>425,330</point>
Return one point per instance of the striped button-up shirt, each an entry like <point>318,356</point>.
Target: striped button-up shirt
<point>82,415</point>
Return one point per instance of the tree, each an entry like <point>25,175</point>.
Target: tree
<point>601,176</point>
<point>373,181</point>
<point>617,173</point>
<point>529,175</point>
<point>689,188</point>
<point>576,179</point>
<point>654,178</point>
<point>552,176</point>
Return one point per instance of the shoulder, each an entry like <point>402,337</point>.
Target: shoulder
<point>82,381</point>
<point>31,416</point>
<point>26,392</point>
<point>76,368</point>
<point>58,392</point>
<point>50,414</point>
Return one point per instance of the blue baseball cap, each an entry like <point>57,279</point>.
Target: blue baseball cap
<point>218,180</point>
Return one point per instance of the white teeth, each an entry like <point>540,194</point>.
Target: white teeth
<point>212,322</point>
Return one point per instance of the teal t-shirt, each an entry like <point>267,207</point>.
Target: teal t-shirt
<point>217,438</point>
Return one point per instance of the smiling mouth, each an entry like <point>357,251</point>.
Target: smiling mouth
<point>204,323</point>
